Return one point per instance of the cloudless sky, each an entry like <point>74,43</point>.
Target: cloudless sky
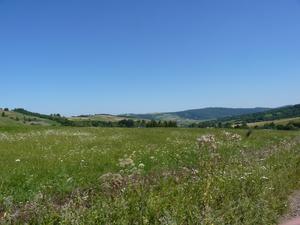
<point>119,56</point>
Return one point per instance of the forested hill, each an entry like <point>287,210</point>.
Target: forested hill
<point>270,115</point>
<point>211,113</point>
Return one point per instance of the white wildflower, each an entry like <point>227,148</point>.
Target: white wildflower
<point>141,165</point>
<point>232,137</point>
<point>195,171</point>
<point>208,140</point>
<point>126,162</point>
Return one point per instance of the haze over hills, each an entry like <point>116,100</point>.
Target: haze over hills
<point>210,113</point>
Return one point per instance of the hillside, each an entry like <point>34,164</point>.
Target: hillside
<point>98,117</point>
<point>14,118</point>
<point>207,117</point>
<point>98,120</point>
<point>270,115</point>
<point>211,113</point>
<point>282,118</point>
<point>276,122</point>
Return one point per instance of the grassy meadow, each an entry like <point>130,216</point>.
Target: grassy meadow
<point>59,175</point>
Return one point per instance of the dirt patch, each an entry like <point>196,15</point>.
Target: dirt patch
<point>294,208</point>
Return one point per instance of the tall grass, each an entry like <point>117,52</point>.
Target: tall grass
<point>145,176</point>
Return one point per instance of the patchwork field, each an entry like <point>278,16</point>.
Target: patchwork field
<point>104,117</point>
<point>58,175</point>
<point>277,122</point>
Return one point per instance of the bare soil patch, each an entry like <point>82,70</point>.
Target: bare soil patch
<point>294,208</point>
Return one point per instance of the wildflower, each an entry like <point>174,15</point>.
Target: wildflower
<point>127,162</point>
<point>141,165</point>
<point>18,160</point>
<point>207,141</point>
<point>111,181</point>
<point>232,137</point>
<point>195,171</point>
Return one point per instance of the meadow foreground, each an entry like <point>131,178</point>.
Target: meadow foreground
<point>146,176</point>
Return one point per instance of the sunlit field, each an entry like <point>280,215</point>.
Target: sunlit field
<point>146,176</point>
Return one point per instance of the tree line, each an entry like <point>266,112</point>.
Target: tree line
<point>243,125</point>
<point>288,126</point>
<point>98,123</point>
<point>128,123</point>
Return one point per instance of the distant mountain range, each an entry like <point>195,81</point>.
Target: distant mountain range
<point>212,113</point>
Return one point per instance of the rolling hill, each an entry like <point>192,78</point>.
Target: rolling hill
<point>276,122</point>
<point>280,113</point>
<point>284,118</point>
<point>15,118</point>
<point>211,113</point>
<point>207,117</point>
<point>98,117</point>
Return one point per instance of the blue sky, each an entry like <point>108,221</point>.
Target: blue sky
<point>116,56</point>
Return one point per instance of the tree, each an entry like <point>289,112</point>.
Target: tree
<point>6,109</point>
<point>151,123</point>
<point>165,124</point>
<point>126,123</point>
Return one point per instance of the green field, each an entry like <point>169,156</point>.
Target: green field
<point>103,117</point>
<point>11,118</point>
<point>58,175</point>
<point>277,122</point>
